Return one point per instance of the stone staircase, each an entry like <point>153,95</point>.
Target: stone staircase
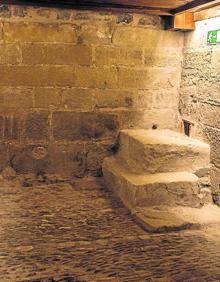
<point>162,177</point>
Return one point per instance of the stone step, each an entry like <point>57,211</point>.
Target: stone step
<point>165,218</point>
<point>155,151</point>
<point>145,190</point>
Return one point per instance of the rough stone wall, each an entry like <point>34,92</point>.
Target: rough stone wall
<point>70,80</point>
<point>200,89</point>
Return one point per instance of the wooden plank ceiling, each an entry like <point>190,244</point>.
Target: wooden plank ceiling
<point>159,7</point>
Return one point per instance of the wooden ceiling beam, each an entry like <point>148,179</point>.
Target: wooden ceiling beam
<point>89,5</point>
<point>195,5</point>
<point>160,4</point>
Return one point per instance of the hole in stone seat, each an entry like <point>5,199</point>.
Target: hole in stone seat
<point>154,126</point>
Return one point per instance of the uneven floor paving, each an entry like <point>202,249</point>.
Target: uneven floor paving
<point>79,231</point>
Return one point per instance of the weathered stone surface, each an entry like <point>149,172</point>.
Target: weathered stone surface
<point>5,12</point>
<point>134,118</point>
<point>75,159</point>
<point>39,32</point>
<point>139,36</point>
<point>111,55</point>
<point>162,57</point>
<point>96,77</point>
<point>213,136</point>
<point>203,172</point>
<point>216,59</point>
<point>63,15</point>
<point>14,98</point>
<point>20,11</point>
<point>77,99</point>
<point>66,160</point>
<point>199,93</point>
<point>178,218</point>
<point>215,183</point>
<point>8,173</point>
<point>83,126</point>
<point>10,54</point>
<point>37,126</point>
<point>4,160</point>
<point>90,73</point>
<point>150,21</point>
<point>155,151</point>
<point>60,159</point>
<point>11,125</point>
<point>155,168</point>
<point>96,153</point>
<point>47,97</point>
<point>56,54</point>
<point>40,76</point>
<point>106,98</point>
<point>1,127</point>
<point>124,19</point>
<point>144,190</point>
<point>148,78</point>
<point>99,33</point>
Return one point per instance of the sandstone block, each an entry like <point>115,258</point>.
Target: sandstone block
<point>145,190</point>
<point>1,31</point>
<point>37,126</point>
<point>95,34</point>
<point>71,126</point>
<point>1,127</point>
<point>144,37</point>
<point>4,160</point>
<point>11,127</point>
<point>68,160</point>
<point>165,218</point>
<point>109,55</point>
<point>151,21</point>
<point>9,54</point>
<point>148,78</point>
<point>163,57</point>
<point>213,137</point>
<point>39,32</point>
<point>22,160</point>
<point>96,77</point>
<point>56,54</point>
<point>37,76</point>
<point>45,97</point>
<point>60,159</point>
<point>147,118</point>
<point>77,98</point>
<point>156,151</point>
<point>156,99</point>
<point>96,153</point>
<point>15,97</point>
<point>215,184</point>
<point>106,98</point>
<point>138,36</point>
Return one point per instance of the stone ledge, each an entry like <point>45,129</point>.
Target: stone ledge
<point>167,219</point>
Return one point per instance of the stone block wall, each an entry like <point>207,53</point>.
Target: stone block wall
<point>200,92</point>
<point>70,80</point>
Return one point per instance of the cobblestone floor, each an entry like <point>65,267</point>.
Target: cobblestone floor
<point>80,232</point>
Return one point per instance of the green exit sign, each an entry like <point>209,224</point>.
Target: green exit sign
<point>213,37</point>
